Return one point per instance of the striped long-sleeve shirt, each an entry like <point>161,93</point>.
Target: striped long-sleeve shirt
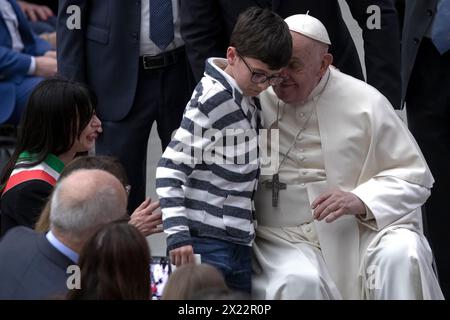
<point>207,176</point>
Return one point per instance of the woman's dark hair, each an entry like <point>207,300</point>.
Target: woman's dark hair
<point>262,34</point>
<point>56,113</point>
<point>115,265</point>
<point>106,163</point>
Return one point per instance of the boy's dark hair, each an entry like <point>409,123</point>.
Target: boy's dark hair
<point>262,34</point>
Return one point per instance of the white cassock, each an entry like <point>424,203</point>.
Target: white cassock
<point>354,141</point>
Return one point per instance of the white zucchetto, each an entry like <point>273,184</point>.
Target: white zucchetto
<point>308,26</point>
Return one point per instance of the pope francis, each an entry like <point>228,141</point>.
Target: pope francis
<point>337,217</point>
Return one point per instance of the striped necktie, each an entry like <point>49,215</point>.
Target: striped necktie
<point>161,22</point>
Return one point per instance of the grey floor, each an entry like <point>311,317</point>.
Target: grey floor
<point>157,242</point>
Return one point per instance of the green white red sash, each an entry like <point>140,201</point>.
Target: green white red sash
<point>48,171</point>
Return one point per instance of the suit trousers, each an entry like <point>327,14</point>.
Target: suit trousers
<point>161,96</point>
<point>428,110</point>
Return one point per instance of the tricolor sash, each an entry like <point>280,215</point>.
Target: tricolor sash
<point>48,171</point>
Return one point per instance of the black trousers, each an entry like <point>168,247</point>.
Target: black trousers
<point>161,96</point>
<point>428,110</point>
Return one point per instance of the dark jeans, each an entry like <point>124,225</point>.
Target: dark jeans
<point>233,260</point>
<point>428,109</point>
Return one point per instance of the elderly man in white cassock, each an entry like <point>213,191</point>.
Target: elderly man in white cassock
<point>337,216</point>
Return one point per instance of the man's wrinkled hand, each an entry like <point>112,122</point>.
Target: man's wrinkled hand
<point>333,204</point>
<point>145,219</point>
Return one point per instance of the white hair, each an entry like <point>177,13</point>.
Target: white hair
<point>78,212</point>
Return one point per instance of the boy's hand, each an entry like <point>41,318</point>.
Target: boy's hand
<point>182,255</point>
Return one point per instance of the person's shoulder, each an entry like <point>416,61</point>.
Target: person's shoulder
<point>30,189</point>
<point>30,194</point>
<point>18,235</point>
<point>355,91</point>
<point>18,246</point>
<point>209,95</point>
<point>33,185</point>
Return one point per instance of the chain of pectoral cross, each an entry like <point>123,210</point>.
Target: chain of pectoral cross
<point>275,183</point>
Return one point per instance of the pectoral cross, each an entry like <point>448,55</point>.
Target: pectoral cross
<point>276,186</point>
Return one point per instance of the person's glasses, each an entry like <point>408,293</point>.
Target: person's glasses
<point>258,77</point>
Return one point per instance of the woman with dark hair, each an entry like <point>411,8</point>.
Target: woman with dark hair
<point>115,265</point>
<point>58,123</point>
<point>144,217</point>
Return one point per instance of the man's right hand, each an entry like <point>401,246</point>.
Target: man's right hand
<point>35,12</point>
<point>45,67</point>
<point>182,255</point>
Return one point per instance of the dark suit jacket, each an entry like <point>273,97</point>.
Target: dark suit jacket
<point>418,16</point>
<point>30,267</point>
<point>14,65</point>
<point>206,26</point>
<point>104,53</point>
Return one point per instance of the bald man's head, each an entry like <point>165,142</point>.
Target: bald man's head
<point>85,200</point>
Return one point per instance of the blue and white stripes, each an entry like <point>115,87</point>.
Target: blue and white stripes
<point>208,174</point>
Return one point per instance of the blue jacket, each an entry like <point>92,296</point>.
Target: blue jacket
<point>30,267</point>
<point>14,65</point>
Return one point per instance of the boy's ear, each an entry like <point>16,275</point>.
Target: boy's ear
<point>231,55</point>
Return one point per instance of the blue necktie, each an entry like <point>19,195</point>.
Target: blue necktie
<point>440,32</point>
<point>161,22</point>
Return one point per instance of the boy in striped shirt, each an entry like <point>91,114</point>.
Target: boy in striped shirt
<point>207,176</point>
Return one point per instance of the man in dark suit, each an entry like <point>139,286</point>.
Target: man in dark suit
<point>24,60</point>
<point>426,83</point>
<point>34,265</point>
<point>206,26</point>
<point>132,55</point>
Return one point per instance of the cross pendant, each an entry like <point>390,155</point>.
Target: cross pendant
<point>276,186</point>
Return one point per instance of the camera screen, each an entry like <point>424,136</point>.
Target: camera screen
<point>159,273</point>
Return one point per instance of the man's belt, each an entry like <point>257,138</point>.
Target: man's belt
<point>162,60</point>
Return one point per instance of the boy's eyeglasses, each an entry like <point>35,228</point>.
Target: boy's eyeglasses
<point>258,77</point>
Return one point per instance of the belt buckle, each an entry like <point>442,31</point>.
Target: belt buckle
<point>166,58</point>
<point>144,63</point>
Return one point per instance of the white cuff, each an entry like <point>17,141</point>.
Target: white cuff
<point>32,67</point>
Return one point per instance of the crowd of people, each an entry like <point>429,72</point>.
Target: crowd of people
<point>335,217</point>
